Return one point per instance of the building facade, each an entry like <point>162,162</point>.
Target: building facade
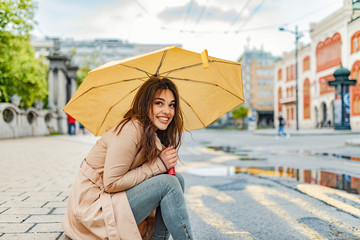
<point>258,75</point>
<point>334,42</point>
<point>93,53</point>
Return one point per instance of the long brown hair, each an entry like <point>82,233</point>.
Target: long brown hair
<point>140,109</point>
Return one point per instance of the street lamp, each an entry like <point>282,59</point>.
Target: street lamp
<point>298,35</point>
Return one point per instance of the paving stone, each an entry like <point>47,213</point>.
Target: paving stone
<point>56,204</point>
<point>30,236</point>
<point>29,211</point>
<point>3,209</point>
<point>25,204</point>
<point>64,237</point>
<point>6,218</point>
<point>59,211</point>
<point>15,227</point>
<point>44,219</point>
<point>44,198</point>
<point>47,227</point>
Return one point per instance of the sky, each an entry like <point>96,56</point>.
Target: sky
<point>223,27</point>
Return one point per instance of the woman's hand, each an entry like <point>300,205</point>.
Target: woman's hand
<point>169,157</point>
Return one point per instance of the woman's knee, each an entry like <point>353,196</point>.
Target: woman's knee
<point>169,182</point>
<point>181,180</point>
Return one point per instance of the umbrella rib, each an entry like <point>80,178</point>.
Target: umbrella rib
<point>102,123</point>
<point>105,85</point>
<point>195,65</point>
<point>147,73</point>
<point>193,111</point>
<point>161,62</point>
<point>207,83</point>
<point>179,69</point>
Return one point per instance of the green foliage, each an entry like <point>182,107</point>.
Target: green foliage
<point>82,73</point>
<point>20,72</point>
<point>90,63</point>
<point>240,113</point>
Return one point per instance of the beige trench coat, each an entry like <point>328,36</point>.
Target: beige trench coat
<point>98,207</point>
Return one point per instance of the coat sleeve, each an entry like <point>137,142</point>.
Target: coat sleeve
<point>120,155</point>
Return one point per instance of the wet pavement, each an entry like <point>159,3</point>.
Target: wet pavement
<point>239,185</point>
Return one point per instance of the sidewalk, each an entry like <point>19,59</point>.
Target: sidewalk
<point>314,132</point>
<point>36,175</point>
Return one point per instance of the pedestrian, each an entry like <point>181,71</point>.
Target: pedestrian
<point>281,127</point>
<point>71,125</point>
<point>82,128</point>
<point>121,191</point>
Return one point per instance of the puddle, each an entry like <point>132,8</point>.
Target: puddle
<point>330,179</point>
<point>229,149</point>
<point>212,171</point>
<point>241,152</point>
<point>252,159</point>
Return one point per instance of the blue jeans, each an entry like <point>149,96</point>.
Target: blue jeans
<point>71,129</point>
<point>281,130</point>
<point>165,193</point>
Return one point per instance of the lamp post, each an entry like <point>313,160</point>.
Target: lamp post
<point>298,35</point>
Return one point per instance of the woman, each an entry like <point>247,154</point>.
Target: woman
<point>121,181</point>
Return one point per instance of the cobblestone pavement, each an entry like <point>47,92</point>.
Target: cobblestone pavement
<point>36,175</point>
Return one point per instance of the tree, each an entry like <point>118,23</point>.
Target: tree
<point>20,72</point>
<point>240,113</point>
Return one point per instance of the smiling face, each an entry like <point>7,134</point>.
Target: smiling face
<point>163,109</point>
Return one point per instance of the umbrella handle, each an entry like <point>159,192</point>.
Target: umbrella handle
<point>171,171</point>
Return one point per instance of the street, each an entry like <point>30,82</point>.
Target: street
<point>239,185</point>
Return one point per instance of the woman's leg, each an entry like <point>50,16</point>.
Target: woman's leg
<point>165,191</point>
<point>160,231</point>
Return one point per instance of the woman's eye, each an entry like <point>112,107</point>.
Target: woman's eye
<point>172,105</point>
<point>158,103</point>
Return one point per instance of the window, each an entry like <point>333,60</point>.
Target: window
<point>306,99</point>
<point>328,53</point>
<point>279,97</point>
<point>355,42</point>
<point>279,75</point>
<point>355,90</point>
<point>306,64</point>
<point>324,86</point>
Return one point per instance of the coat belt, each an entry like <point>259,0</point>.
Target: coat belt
<point>105,198</point>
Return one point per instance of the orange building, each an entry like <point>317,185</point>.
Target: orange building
<point>334,41</point>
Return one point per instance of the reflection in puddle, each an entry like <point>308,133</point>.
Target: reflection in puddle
<point>330,179</point>
<point>326,154</point>
<point>325,178</point>
<point>252,159</point>
<point>228,149</point>
<point>238,151</point>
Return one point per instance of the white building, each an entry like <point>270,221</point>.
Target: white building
<point>94,52</point>
<point>334,42</point>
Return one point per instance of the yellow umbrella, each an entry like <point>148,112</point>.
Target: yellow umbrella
<point>208,88</point>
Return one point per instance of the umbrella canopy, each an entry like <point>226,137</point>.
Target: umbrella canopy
<point>208,88</point>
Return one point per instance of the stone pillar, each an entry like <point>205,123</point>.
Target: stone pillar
<point>57,89</point>
<point>72,80</point>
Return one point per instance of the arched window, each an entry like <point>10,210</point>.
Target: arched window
<point>279,74</point>
<point>328,53</point>
<point>279,98</point>
<point>306,63</point>
<point>355,38</point>
<point>306,99</point>
<point>355,90</point>
<point>324,86</point>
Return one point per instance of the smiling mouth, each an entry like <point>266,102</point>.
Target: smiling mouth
<point>163,119</point>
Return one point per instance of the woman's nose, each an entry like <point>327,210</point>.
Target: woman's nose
<point>166,109</point>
